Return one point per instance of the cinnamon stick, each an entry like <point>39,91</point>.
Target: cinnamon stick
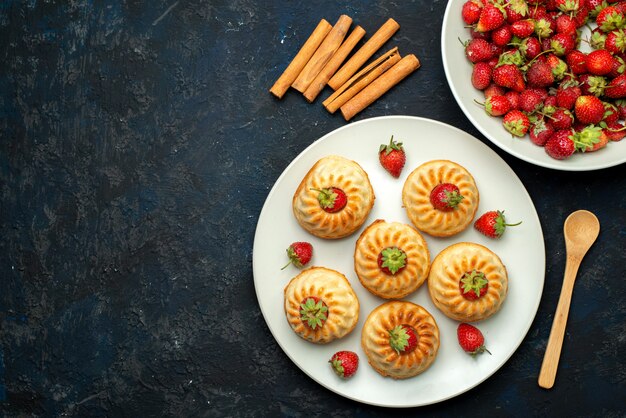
<point>380,86</point>
<point>318,84</point>
<point>303,56</point>
<point>324,53</point>
<point>361,80</point>
<point>381,36</point>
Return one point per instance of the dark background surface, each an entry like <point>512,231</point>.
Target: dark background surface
<point>138,142</point>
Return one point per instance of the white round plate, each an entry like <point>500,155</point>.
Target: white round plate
<point>521,249</point>
<point>458,71</point>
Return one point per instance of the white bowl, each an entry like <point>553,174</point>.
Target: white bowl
<point>459,72</point>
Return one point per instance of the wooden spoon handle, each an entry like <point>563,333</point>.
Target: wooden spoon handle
<point>550,363</point>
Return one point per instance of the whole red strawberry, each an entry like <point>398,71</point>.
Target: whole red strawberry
<point>391,260</point>
<point>540,132</point>
<point>403,338</point>
<point>478,50</point>
<point>445,197</point>
<point>491,17</point>
<point>392,157</point>
<point>471,339</point>
<point>497,105</point>
<point>332,199</point>
<point>481,75</point>
<point>560,145</point>
<point>299,254</point>
<point>516,122</point>
<point>344,363</point>
<point>473,285</point>
<point>492,224</point>
<point>610,18</point>
<point>588,109</point>
<point>509,76</point>
<point>599,62</point>
<point>471,12</point>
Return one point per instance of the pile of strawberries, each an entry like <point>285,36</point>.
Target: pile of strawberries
<point>526,59</point>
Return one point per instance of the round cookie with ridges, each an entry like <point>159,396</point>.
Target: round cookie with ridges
<point>391,259</point>
<point>378,331</point>
<point>334,198</point>
<point>440,198</point>
<point>467,282</point>
<point>321,305</point>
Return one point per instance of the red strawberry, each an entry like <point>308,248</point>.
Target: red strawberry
<point>497,105</point>
<point>516,122</point>
<point>530,100</point>
<point>566,24</point>
<point>611,113</point>
<point>344,363</point>
<point>516,10</point>
<point>313,312</point>
<point>523,28</point>
<point>508,76</point>
<point>445,197</point>
<point>621,107</point>
<point>392,157</point>
<point>513,98</point>
<point>540,131</point>
<point>473,285</point>
<point>599,62</point>
<point>560,145</point>
<point>332,199</point>
<point>530,48</point>
<point>576,60</point>
<point>539,74</point>
<point>544,27</point>
<point>470,12</point>
<point>590,138</point>
<point>471,339</point>
<point>615,131</point>
<point>299,254</point>
<point>616,88</point>
<point>501,36</point>
<point>567,94</point>
<point>592,84</point>
<point>562,44</point>
<point>491,17</point>
<point>492,224</point>
<point>615,41</point>
<point>494,90</point>
<point>391,260</point>
<point>403,338</point>
<point>588,109</point>
<point>481,75</point>
<point>610,18</point>
<point>618,68</point>
<point>477,50</point>
<point>562,119</point>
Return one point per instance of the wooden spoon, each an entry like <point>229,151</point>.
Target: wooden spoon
<point>581,229</point>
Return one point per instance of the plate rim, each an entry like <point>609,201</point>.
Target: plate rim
<point>555,165</point>
<point>521,335</point>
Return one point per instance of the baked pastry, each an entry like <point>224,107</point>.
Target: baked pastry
<point>334,198</point>
<point>440,198</point>
<point>467,282</point>
<point>391,259</point>
<point>320,305</point>
<point>376,339</point>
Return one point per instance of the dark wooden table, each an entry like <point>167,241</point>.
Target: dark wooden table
<point>138,145</point>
